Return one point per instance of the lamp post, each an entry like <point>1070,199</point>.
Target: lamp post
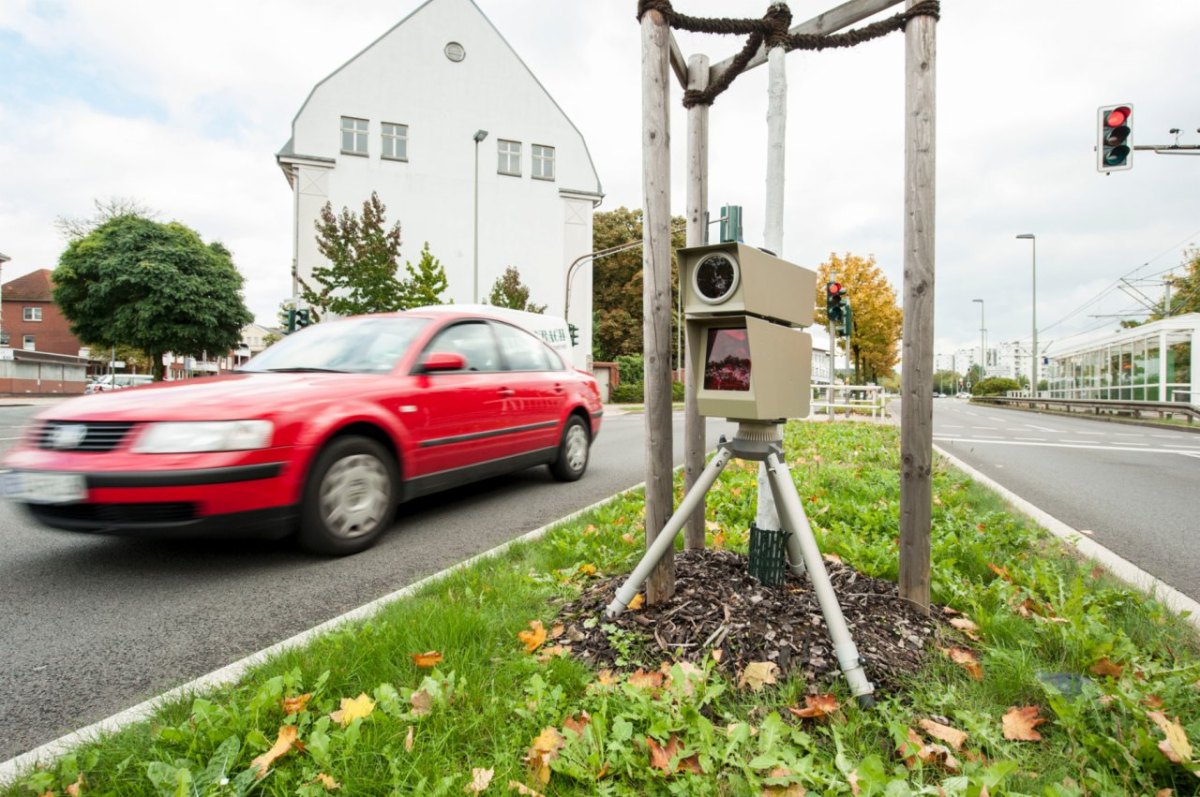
<point>982,345</point>
<point>1033,378</point>
<point>480,135</point>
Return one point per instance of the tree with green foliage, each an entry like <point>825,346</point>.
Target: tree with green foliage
<point>994,386</point>
<point>946,382</point>
<point>74,228</point>
<point>508,291</point>
<point>157,287</point>
<point>364,258</point>
<point>426,281</point>
<point>1185,290</point>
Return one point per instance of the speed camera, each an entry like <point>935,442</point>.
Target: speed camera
<point>743,306</point>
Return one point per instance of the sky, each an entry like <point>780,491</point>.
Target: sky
<point>182,107</point>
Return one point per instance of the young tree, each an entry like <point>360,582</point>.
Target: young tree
<point>427,281</point>
<point>157,287</point>
<point>364,259</point>
<point>509,291</point>
<point>877,319</point>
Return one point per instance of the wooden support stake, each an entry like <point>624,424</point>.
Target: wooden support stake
<point>656,291</point>
<point>916,408</point>
<point>697,206</point>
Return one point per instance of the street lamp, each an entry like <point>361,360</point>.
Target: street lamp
<point>1033,379</point>
<point>982,349</point>
<point>480,135</point>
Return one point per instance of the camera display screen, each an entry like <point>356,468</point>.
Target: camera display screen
<point>727,360</point>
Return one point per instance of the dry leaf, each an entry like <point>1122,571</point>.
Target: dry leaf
<point>951,736</point>
<point>421,702</point>
<point>605,678</point>
<point>1000,571</point>
<point>646,680</point>
<point>544,750</point>
<point>1153,701</point>
<point>1164,793</point>
<point>852,779</point>
<point>966,626</point>
<point>946,610</point>
<point>353,709</point>
<point>831,557</point>
<point>427,659</point>
<point>294,705</point>
<point>408,739</point>
<point>1019,724</point>
<point>1104,667</point>
<point>909,748</point>
<point>939,755</point>
<point>283,743</point>
<point>1176,746</point>
<point>75,788</point>
<point>660,757</point>
<point>327,782</point>
<point>534,638</point>
<point>523,790</point>
<point>554,651</point>
<point>816,706</point>
<point>717,653</point>
<point>965,659</point>
<point>576,725</point>
<point>639,600</point>
<point>1097,572</point>
<point>758,674</point>
<point>558,630</point>
<point>629,538</point>
<point>480,780</point>
<point>587,569</point>
<point>591,529</point>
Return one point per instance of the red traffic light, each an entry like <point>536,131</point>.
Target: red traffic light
<point>833,288</point>
<point>1117,117</point>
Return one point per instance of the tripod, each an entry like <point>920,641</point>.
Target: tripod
<point>760,441</point>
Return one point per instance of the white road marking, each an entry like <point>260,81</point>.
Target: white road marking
<point>1041,428</point>
<point>1032,439</point>
<point>1195,454</point>
<point>1171,445</point>
<point>983,427</point>
<point>1055,445</point>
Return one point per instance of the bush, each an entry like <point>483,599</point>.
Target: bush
<point>994,386</point>
<point>631,368</point>
<point>635,393</point>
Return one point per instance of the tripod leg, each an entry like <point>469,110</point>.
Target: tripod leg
<point>666,537</point>
<point>802,544</point>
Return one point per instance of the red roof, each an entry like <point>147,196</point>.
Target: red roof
<point>35,286</point>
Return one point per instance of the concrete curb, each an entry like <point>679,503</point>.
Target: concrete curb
<point>1121,568</point>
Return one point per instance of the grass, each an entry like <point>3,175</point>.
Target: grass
<point>548,723</point>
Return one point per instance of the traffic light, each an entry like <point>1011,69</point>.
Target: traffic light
<point>291,325</point>
<point>847,320</point>
<point>574,330</point>
<point>1114,138</point>
<point>834,307</point>
<point>303,318</point>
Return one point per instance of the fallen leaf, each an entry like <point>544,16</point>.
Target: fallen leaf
<point>421,702</point>
<point>1000,571</point>
<point>816,706</point>
<point>782,790</point>
<point>428,659</point>
<point>852,779</point>
<point>629,538</point>
<point>327,782</point>
<point>1164,793</point>
<point>587,569</point>
<point>1104,667</point>
<point>966,626</point>
<point>606,678</point>
<point>951,736</point>
<point>831,557</point>
<point>661,756</point>
<point>408,739</point>
<point>523,790</point>
<point>639,600</point>
<point>1019,724</point>
<point>283,743</point>
<point>1098,572</point>
<point>554,651</point>
<point>646,680</point>
<point>480,780</point>
<point>534,638</point>
<point>910,747</point>
<point>294,705</point>
<point>591,529</point>
<point>1176,746</point>
<point>717,653</point>
<point>939,755</point>
<point>352,709</point>
<point>948,611</point>
<point>1153,701</point>
<point>74,789</point>
<point>576,725</point>
<point>558,630</point>
<point>758,674</point>
<point>965,659</point>
<point>544,749</point>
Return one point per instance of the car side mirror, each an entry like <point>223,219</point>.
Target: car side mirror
<point>437,361</point>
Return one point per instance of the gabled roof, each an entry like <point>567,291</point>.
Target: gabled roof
<point>35,286</point>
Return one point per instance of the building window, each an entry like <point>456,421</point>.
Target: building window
<point>510,157</point>
<point>33,314</point>
<point>395,141</point>
<point>354,136</point>
<point>29,344</point>
<point>543,162</point>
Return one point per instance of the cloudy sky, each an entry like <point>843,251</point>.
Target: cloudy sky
<point>182,107</point>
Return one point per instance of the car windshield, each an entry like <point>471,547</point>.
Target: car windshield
<point>369,345</point>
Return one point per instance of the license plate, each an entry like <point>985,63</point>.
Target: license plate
<point>37,487</point>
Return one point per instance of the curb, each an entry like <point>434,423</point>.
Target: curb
<point>1120,567</point>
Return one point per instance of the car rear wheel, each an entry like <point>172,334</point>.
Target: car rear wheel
<point>350,497</point>
<point>573,451</point>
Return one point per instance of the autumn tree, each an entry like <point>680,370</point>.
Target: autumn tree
<point>157,287</point>
<point>508,291</point>
<point>364,259</point>
<point>426,281</point>
<point>617,283</point>
<point>877,318</point>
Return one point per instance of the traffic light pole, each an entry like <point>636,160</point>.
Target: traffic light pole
<point>832,369</point>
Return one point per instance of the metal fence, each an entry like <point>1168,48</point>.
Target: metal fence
<point>1131,409</point>
<point>850,399</point>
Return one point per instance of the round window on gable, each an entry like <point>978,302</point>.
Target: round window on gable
<point>455,52</point>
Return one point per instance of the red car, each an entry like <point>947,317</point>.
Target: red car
<point>324,433</point>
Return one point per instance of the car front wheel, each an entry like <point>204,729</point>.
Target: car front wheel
<point>350,497</point>
<point>573,451</point>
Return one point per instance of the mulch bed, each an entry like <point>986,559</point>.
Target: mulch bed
<point>717,605</point>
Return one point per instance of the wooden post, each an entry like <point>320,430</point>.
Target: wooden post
<point>916,414</point>
<point>697,207</point>
<point>656,291</point>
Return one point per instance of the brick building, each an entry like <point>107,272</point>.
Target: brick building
<point>30,319</point>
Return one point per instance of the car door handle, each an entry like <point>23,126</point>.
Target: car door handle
<point>558,388</point>
<point>505,392</point>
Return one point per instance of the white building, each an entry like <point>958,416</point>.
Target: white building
<point>438,114</point>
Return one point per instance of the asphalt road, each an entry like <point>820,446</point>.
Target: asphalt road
<point>1133,489</point>
<point>92,625</point>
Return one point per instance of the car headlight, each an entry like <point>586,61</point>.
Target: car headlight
<point>181,437</point>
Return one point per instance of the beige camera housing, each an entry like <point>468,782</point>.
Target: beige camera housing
<point>747,360</point>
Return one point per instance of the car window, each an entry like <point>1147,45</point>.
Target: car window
<point>524,352</point>
<point>473,340</point>
<point>370,345</point>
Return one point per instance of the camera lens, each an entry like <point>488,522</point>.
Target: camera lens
<point>716,278</point>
